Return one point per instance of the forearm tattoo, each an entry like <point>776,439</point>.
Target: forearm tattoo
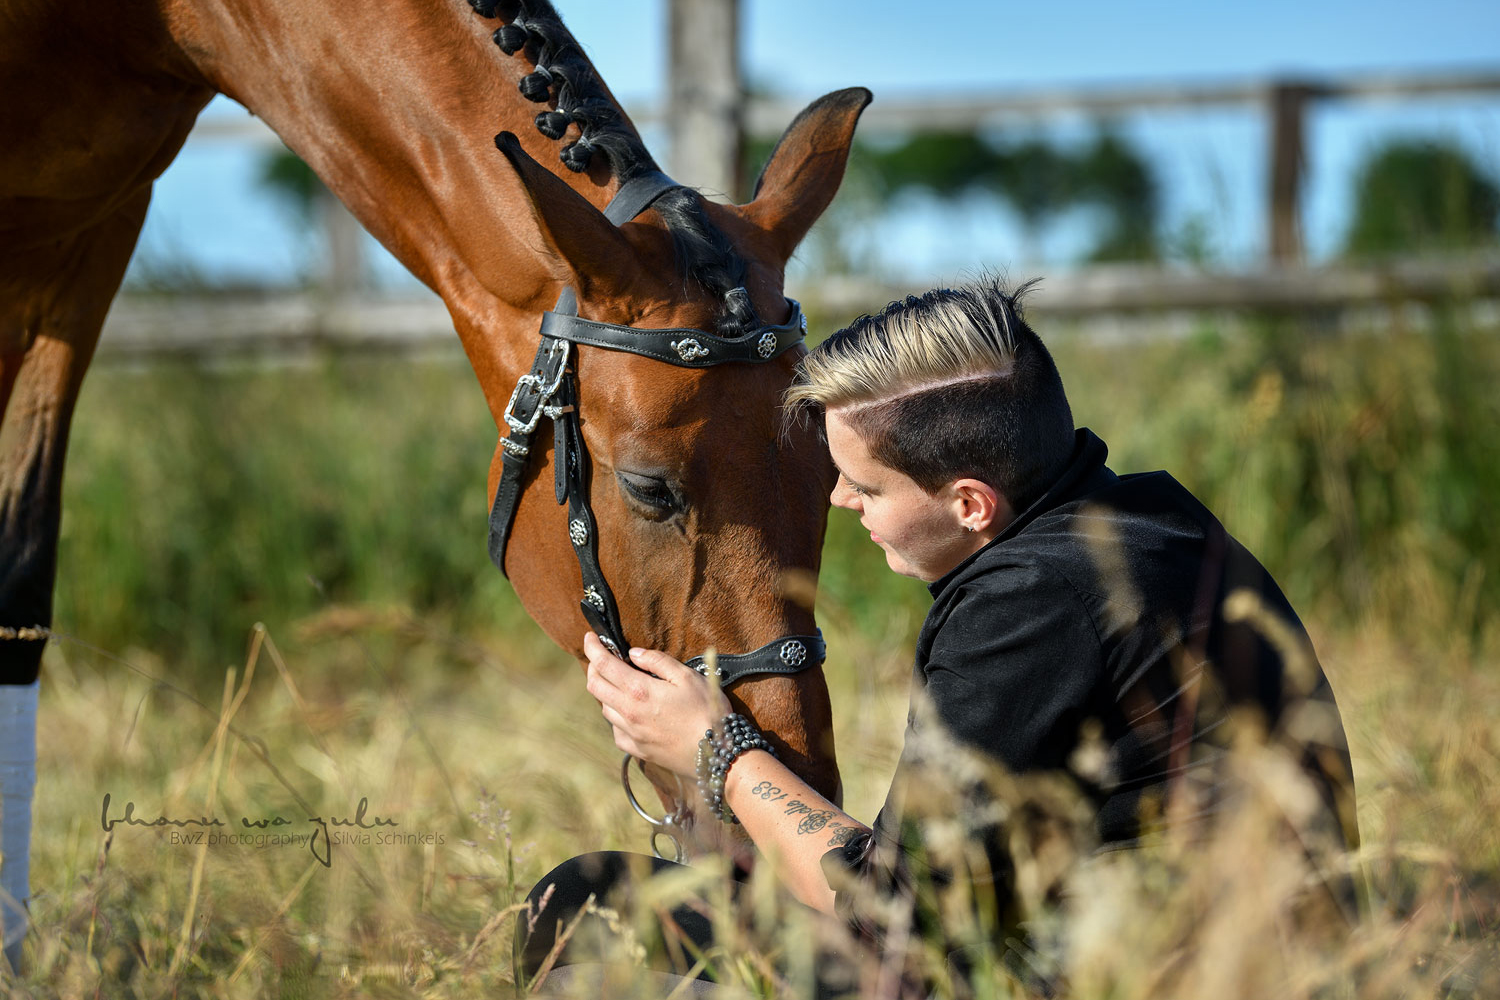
<point>814,818</point>
<point>843,835</point>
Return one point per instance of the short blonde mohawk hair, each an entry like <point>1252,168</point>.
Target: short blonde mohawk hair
<point>947,385</point>
<point>919,343</point>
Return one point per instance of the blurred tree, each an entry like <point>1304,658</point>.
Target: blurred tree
<point>947,164</point>
<point>1416,196</point>
<point>1038,180</point>
<point>293,182</point>
<point>1191,241</point>
<point>1118,180</point>
<point>320,215</point>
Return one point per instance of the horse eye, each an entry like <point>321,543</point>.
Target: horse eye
<point>654,494</point>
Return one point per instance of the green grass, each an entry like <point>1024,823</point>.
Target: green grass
<point>344,507</point>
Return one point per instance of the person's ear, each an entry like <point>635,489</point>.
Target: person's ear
<point>980,507</point>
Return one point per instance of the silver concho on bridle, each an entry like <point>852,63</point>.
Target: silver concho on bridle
<point>578,531</point>
<point>688,349</point>
<point>592,595</point>
<point>793,653</point>
<point>766,346</point>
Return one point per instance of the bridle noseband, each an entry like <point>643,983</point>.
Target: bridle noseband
<point>550,389</point>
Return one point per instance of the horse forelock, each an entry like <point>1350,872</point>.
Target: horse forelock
<point>705,255</point>
<point>703,252</point>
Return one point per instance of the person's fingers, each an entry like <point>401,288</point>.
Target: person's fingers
<point>625,743</point>
<point>680,675</point>
<point>591,666</point>
<point>593,648</point>
<point>608,689</point>
<point>596,685</point>
<point>620,681</point>
<point>610,669</point>
<point>614,718</point>
<point>666,667</point>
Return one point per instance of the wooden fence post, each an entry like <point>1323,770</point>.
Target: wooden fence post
<point>344,267</point>
<point>705,98</point>
<point>1287,105</point>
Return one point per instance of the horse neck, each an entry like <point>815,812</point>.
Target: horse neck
<point>396,112</point>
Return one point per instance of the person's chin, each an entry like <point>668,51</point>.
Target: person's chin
<point>899,565</point>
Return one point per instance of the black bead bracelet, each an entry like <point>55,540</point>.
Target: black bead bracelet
<point>716,751</point>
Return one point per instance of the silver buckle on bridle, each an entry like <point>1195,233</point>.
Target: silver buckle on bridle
<point>545,392</point>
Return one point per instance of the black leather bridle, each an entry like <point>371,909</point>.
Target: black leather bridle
<point>550,389</point>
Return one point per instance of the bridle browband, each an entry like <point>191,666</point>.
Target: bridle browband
<point>550,389</point>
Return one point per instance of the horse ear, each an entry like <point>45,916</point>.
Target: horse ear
<point>583,241</point>
<point>805,168</point>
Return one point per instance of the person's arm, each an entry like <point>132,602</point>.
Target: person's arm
<point>659,710</point>
<point>790,822</point>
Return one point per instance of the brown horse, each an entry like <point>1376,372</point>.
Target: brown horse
<point>702,508</point>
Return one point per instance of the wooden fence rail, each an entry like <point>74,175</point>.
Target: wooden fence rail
<point>207,327</point>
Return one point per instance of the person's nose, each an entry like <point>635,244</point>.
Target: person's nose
<point>844,497</point>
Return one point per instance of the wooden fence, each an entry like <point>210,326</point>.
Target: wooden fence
<point>1104,301</point>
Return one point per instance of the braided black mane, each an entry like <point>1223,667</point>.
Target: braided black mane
<point>565,79</point>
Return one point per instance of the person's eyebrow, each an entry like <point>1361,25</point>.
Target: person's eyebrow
<point>848,478</point>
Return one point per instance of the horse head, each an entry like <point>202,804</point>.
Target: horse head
<point>709,512</point>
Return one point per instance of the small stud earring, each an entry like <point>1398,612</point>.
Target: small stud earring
<point>968,527</point>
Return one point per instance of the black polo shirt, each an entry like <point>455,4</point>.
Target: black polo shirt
<point>1101,609</point>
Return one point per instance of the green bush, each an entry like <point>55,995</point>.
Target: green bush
<point>1416,196</point>
<point>200,501</point>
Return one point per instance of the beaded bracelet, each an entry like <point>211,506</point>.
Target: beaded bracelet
<point>716,751</point>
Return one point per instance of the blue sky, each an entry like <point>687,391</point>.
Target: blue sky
<point>209,210</point>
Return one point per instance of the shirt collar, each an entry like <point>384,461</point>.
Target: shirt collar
<point>1085,473</point>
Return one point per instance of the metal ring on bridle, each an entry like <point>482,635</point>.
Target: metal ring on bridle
<point>679,853</point>
<point>661,827</point>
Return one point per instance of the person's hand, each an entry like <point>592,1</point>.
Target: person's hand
<point>660,711</point>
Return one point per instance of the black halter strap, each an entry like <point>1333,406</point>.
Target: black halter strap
<point>550,390</point>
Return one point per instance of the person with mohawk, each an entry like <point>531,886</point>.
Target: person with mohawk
<point>1074,609</point>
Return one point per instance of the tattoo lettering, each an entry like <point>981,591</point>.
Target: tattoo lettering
<point>813,819</point>
<point>814,822</point>
<point>842,835</point>
<point>766,790</point>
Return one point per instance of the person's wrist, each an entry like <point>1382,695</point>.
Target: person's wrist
<point>721,747</point>
<point>741,771</point>
<point>711,720</point>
